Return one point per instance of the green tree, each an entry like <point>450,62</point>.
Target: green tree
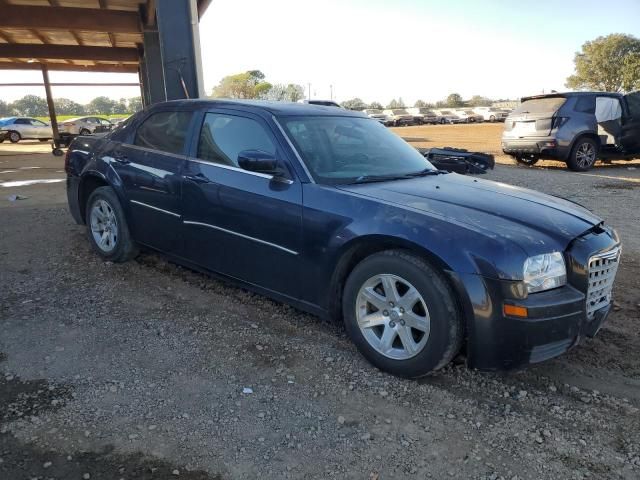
<point>396,103</point>
<point>31,106</point>
<point>377,105</point>
<point>480,101</point>
<point>354,104</point>
<point>101,106</point>
<point>610,63</point>
<point>134,104</point>
<point>64,106</point>
<point>454,100</point>
<point>420,104</point>
<point>284,93</point>
<point>5,111</point>
<point>249,84</point>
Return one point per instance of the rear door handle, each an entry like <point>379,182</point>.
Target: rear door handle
<point>198,178</point>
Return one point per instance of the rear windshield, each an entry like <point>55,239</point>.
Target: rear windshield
<point>540,105</point>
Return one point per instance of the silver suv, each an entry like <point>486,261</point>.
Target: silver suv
<point>575,127</point>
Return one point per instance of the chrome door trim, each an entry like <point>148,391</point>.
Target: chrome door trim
<point>155,208</point>
<point>153,150</point>
<point>247,237</point>
<point>295,151</point>
<point>229,167</point>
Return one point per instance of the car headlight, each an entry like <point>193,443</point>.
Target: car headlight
<point>544,272</point>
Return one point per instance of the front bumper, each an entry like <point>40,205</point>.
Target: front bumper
<point>556,321</point>
<point>541,147</point>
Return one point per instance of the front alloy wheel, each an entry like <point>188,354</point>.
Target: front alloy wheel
<point>393,316</point>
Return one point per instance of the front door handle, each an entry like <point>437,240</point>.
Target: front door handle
<point>121,158</point>
<point>198,178</point>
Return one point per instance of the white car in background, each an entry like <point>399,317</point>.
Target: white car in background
<point>85,126</point>
<point>15,129</point>
<point>492,114</point>
<point>377,114</point>
<point>469,116</point>
<point>448,116</point>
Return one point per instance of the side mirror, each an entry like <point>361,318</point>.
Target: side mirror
<point>258,161</point>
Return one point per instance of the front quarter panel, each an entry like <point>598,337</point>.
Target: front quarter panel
<point>335,220</point>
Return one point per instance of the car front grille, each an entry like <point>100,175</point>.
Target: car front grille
<point>602,273</point>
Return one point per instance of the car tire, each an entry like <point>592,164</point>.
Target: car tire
<point>14,137</point>
<point>583,155</point>
<point>420,296</point>
<point>526,161</point>
<point>443,121</point>
<point>43,140</point>
<point>492,118</point>
<point>84,131</point>
<point>104,215</point>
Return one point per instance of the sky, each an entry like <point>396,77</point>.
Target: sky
<point>378,50</point>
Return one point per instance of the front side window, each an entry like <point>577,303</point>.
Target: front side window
<point>38,123</point>
<point>164,131</point>
<point>224,136</point>
<point>348,149</point>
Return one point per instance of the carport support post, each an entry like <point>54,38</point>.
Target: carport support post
<point>180,46</point>
<point>52,110</point>
<point>151,68</point>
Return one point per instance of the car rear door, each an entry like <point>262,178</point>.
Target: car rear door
<point>41,129</point>
<point>149,164</point>
<point>243,224</point>
<point>630,138</point>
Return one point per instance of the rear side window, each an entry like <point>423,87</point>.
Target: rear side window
<point>633,102</point>
<point>223,137</point>
<point>586,104</point>
<point>164,131</point>
<point>540,105</point>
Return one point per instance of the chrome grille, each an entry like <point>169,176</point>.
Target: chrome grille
<point>602,273</point>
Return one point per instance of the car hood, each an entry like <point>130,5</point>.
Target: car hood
<point>535,221</point>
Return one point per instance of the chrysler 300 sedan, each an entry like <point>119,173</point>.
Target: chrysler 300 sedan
<point>329,211</point>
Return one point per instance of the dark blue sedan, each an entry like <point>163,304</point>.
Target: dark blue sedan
<point>329,211</point>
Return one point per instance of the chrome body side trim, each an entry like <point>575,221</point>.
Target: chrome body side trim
<point>155,208</point>
<point>247,237</point>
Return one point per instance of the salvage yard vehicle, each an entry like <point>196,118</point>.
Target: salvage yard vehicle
<point>491,114</point>
<point>575,127</point>
<point>399,117</point>
<point>469,116</point>
<point>377,115</point>
<point>424,115</point>
<point>15,129</point>
<point>85,126</point>
<point>449,116</point>
<point>331,212</point>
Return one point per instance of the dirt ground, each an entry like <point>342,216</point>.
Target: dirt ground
<point>138,370</point>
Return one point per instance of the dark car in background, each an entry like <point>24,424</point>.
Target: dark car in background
<point>331,212</point>
<point>574,127</point>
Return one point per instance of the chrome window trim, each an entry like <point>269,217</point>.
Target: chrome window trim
<point>242,235</point>
<point>152,150</point>
<point>229,167</point>
<point>155,208</point>
<point>295,151</point>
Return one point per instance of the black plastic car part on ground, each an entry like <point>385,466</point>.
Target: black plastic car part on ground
<point>459,160</point>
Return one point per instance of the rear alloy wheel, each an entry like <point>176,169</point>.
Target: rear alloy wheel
<point>107,228</point>
<point>14,137</point>
<point>84,131</point>
<point>400,313</point>
<point>492,118</point>
<point>583,155</point>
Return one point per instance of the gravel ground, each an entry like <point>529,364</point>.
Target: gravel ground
<point>149,370</point>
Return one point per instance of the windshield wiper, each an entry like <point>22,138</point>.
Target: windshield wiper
<point>404,176</point>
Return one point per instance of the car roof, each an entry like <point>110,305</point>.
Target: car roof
<point>275,108</point>
<point>573,94</point>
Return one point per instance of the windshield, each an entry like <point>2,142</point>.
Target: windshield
<point>372,111</point>
<point>540,105</point>
<point>347,149</point>
<point>400,112</point>
<point>446,112</point>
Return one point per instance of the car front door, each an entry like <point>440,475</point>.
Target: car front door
<point>149,164</point>
<point>41,129</point>
<point>24,127</point>
<point>243,224</point>
<point>631,123</point>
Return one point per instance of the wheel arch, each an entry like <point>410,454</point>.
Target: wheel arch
<point>88,184</point>
<point>586,134</point>
<point>353,252</point>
